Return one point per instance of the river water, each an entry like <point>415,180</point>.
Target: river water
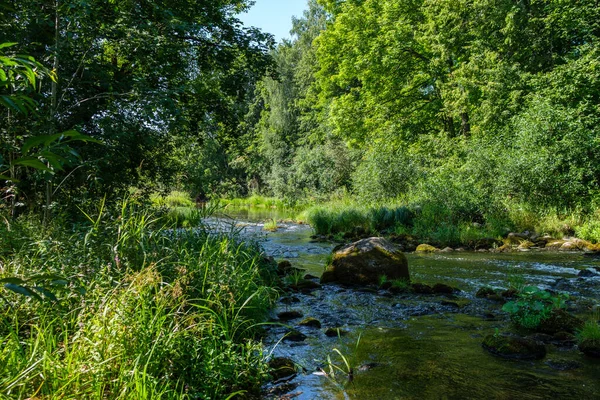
<point>409,346</point>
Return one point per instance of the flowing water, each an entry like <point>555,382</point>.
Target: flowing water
<point>410,346</point>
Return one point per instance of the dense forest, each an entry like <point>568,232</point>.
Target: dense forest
<point>480,107</point>
<point>453,114</point>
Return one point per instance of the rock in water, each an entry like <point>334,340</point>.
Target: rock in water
<point>514,347</point>
<point>365,262</point>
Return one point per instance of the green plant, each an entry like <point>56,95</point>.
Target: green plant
<point>382,280</point>
<point>590,332</point>
<point>271,225</point>
<point>533,306</point>
<point>294,278</point>
<point>515,279</point>
<point>341,372</point>
<point>402,284</point>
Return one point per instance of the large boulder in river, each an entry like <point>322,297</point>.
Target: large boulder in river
<point>365,262</point>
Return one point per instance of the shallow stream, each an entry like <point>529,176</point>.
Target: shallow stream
<point>410,346</point>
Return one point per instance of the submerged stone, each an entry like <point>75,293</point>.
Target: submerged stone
<point>514,347</point>
<point>365,262</point>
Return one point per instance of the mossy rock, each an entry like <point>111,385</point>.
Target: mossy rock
<point>421,288</point>
<point>365,261</point>
<point>294,336</point>
<point>559,321</point>
<point>461,303</point>
<point>484,292</point>
<point>590,348</point>
<point>281,367</point>
<point>514,347</point>
<point>311,322</point>
<point>442,288</point>
<point>526,245</point>
<point>426,248</point>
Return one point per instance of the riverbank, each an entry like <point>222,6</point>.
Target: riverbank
<point>513,229</point>
<point>395,339</point>
<point>121,306</point>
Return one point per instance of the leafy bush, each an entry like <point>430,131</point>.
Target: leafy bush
<point>533,306</point>
<point>386,172</point>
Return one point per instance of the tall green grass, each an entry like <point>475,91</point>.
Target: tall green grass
<point>147,313</point>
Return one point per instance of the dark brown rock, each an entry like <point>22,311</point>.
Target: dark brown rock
<point>421,288</point>
<point>335,332</point>
<point>484,292</point>
<point>294,336</point>
<point>289,315</point>
<point>311,322</point>
<point>441,288</point>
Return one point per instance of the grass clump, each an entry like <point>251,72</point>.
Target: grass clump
<point>590,332</point>
<point>271,226</point>
<point>145,312</point>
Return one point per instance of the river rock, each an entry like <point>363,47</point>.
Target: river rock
<point>514,347</point>
<point>426,248</point>
<point>289,315</point>
<point>590,348</point>
<point>311,322</point>
<point>442,288</point>
<point>294,336</point>
<point>484,292</point>
<point>559,321</point>
<point>587,273</point>
<point>365,261</point>
<point>335,332</point>
<point>422,288</point>
<point>281,367</point>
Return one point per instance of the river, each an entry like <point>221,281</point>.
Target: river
<point>409,346</point>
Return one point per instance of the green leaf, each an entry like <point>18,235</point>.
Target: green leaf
<point>13,280</point>
<point>22,290</point>
<point>32,162</point>
<point>8,44</point>
<point>48,294</point>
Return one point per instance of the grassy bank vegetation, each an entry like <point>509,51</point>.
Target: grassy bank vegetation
<point>121,307</point>
<point>439,223</point>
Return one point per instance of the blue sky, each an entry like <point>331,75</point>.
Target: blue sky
<point>274,16</point>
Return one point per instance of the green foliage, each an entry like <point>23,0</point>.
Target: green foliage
<point>146,312</point>
<point>533,306</point>
<point>271,225</point>
<point>590,332</point>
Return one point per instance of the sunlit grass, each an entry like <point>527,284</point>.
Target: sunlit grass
<point>147,313</point>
